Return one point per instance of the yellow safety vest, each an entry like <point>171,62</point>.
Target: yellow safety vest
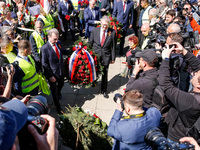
<point>38,40</point>
<point>11,57</point>
<point>48,23</point>
<point>30,80</point>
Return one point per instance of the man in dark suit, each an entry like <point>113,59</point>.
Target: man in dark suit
<point>122,10</point>
<point>104,7</point>
<point>103,40</point>
<point>66,7</point>
<point>92,16</point>
<point>52,63</point>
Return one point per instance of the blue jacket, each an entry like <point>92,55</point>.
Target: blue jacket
<point>89,19</point>
<point>123,17</point>
<point>129,133</point>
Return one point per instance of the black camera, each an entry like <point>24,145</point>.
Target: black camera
<point>119,97</point>
<point>36,106</point>
<point>157,141</point>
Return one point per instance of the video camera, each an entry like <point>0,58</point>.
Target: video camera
<point>36,106</point>
<point>156,140</point>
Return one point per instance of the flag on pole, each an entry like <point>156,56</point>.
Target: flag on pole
<point>46,5</point>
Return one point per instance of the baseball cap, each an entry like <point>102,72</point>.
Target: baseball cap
<point>148,55</point>
<point>13,116</point>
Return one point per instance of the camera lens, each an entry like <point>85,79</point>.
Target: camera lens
<point>37,105</point>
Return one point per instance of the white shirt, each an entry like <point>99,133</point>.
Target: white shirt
<point>24,57</point>
<point>54,47</point>
<point>93,12</point>
<point>101,34</point>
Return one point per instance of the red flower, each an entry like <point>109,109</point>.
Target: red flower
<point>86,2</point>
<point>83,57</point>
<point>91,52</point>
<point>79,2</point>
<point>82,75</point>
<point>8,5</point>
<point>119,36</point>
<point>79,62</point>
<point>83,67</point>
<point>73,48</point>
<point>26,11</point>
<point>98,26</point>
<point>79,56</point>
<point>111,19</point>
<point>117,22</point>
<point>36,16</point>
<point>85,47</point>
<point>112,23</point>
<point>87,76</point>
<point>67,17</point>
<point>86,61</point>
<point>80,43</point>
<point>119,28</point>
<point>80,70</point>
<point>95,58</point>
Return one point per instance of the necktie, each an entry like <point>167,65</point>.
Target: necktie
<point>57,52</point>
<point>124,5</point>
<point>103,38</point>
<point>93,12</point>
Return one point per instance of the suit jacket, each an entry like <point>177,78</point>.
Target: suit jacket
<point>89,19</point>
<point>62,9</point>
<point>129,133</point>
<point>52,66</point>
<point>105,4</point>
<point>107,51</point>
<point>123,17</point>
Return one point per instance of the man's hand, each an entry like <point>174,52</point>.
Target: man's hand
<point>191,141</point>
<point>112,62</point>
<point>137,67</point>
<point>103,9</point>
<point>10,71</point>
<point>52,79</point>
<point>119,105</point>
<point>167,51</point>
<point>97,22</point>
<point>130,26</point>
<point>26,99</point>
<point>190,15</point>
<point>48,141</point>
<point>180,49</point>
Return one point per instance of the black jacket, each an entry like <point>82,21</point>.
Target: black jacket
<point>144,85</point>
<point>186,108</point>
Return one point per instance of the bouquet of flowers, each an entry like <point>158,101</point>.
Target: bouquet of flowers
<point>83,4</point>
<point>114,24</point>
<point>84,65</point>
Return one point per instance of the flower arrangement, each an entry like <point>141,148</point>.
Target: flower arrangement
<point>84,65</point>
<point>83,3</point>
<point>30,22</point>
<point>114,24</point>
<point>56,21</point>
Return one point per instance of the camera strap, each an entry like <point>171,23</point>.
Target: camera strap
<point>134,116</point>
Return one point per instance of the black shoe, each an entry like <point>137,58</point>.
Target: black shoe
<point>105,95</point>
<point>60,97</point>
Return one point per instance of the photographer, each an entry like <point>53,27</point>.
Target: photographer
<point>185,109</point>
<point>13,118</point>
<point>130,131</point>
<point>146,62</point>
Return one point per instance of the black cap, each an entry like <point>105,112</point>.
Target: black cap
<point>147,55</point>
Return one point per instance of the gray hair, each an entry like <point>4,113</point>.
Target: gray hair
<point>4,41</point>
<point>4,29</point>
<point>39,22</point>
<point>51,31</point>
<point>175,28</point>
<point>153,12</point>
<point>106,19</point>
<point>2,3</point>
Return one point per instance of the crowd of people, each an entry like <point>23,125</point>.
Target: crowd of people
<point>163,55</point>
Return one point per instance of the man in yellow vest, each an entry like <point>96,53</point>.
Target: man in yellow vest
<point>37,40</point>
<point>7,49</point>
<point>47,21</point>
<point>26,78</point>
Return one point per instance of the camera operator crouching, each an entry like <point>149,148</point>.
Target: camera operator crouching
<point>182,118</point>
<point>129,131</point>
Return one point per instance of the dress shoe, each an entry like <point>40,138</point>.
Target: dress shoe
<point>105,95</point>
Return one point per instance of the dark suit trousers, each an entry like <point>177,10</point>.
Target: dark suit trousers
<point>122,41</point>
<point>104,81</point>
<point>56,88</point>
<point>71,26</point>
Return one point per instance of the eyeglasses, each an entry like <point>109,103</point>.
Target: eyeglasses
<point>186,9</point>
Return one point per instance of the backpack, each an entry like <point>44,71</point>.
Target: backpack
<point>159,99</point>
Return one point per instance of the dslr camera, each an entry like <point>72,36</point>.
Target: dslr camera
<point>36,106</point>
<point>157,141</point>
<point>118,98</point>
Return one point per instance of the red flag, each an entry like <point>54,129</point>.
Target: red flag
<point>46,5</point>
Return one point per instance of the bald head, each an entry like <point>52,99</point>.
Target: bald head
<point>92,4</point>
<point>173,28</point>
<point>145,29</point>
<point>2,5</point>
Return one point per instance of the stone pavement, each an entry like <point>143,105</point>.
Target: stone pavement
<point>90,98</point>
